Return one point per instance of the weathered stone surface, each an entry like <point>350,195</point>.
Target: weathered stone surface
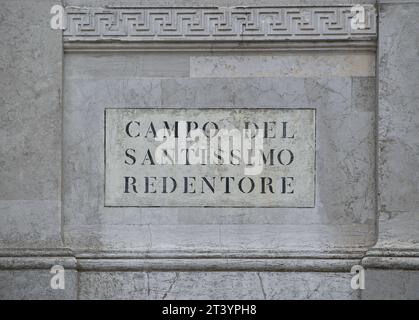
<point>211,236</point>
<point>216,285</point>
<point>127,65</point>
<point>307,64</point>
<point>398,161</point>
<point>391,285</point>
<point>345,125</point>
<point>340,86</point>
<point>30,125</point>
<point>35,285</point>
<point>30,223</point>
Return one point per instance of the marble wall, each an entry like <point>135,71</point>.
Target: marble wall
<point>56,86</point>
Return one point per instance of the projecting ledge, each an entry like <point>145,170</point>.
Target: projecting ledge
<point>298,261</point>
<point>392,259</point>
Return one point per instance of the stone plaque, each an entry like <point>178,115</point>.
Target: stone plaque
<point>210,157</point>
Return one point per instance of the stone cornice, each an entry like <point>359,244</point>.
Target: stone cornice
<point>338,260</point>
<point>217,24</point>
<point>316,261</point>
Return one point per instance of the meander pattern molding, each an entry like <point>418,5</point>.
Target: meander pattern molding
<point>217,24</point>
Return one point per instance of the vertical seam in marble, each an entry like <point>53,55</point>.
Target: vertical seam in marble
<point>261,286</point>
<point>78,287</point>
<point>148,285</point>
<point>62,141</point>
<point>171,285</point>
<point>161,91</point>
<point>376,130</point>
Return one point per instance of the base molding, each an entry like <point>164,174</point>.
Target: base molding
<point>209,274</point>
<point>392,259</point>
<point>20,259</point>
<point>145,261</point>
<point>337,260</point>
<point>256,265</point>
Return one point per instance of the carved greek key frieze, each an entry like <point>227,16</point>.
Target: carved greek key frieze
<point>218,24</point>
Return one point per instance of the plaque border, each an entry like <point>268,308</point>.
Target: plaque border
<point>211,108</point>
